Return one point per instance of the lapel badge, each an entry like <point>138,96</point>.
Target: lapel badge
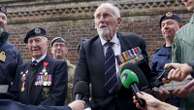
<point>2,56</point>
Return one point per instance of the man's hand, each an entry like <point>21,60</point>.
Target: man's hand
<point>77,105</point>
<point>164,93</point>
<point>185,90</point>
<point>152,103</point>
<point>180,71</point>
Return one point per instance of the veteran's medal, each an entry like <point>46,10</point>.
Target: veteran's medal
<point>45,79</point>
<point>125,55</point>
<point>23,79</point>
<point>49,80</point>
<point>46,76</point>
<point>2,56</point>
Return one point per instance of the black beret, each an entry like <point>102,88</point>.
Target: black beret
<point>3,10</point>
<point>38,31</point>
<point>57,39</point>
<point>170,15</point>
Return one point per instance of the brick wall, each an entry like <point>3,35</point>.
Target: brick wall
<point>74,21</point>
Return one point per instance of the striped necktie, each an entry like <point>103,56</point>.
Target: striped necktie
<point>110,69</point>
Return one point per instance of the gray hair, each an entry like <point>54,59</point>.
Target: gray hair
<point>115,9</point>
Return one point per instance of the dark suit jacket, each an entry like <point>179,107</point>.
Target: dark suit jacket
<point>90,68</point>
<point>44,95</point>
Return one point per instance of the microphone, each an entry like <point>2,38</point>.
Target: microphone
<point>143,82</point>
<point>164,74</point>
<point>130,79</point>
<point>81,91</point>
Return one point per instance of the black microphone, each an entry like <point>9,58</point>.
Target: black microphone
<point>158,79</point>
<point>164,74</point>
<point>81,91</point>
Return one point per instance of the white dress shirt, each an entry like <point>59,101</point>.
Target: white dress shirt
<point>116,48</point>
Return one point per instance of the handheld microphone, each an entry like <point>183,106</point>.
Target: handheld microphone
<point>130,79</point>
<point>164,74</point>
<point>81,91</point>
<point>159,78</point>
<point>143,82</point>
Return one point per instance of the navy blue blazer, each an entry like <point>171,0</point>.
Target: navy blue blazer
<point>90,68</point>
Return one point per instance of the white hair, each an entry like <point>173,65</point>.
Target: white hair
<point>115,9</point>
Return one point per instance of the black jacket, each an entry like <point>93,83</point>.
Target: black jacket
<point>90,68</point>
<point>29,92</point>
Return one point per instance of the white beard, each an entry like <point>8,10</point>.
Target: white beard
<point>103,32</point>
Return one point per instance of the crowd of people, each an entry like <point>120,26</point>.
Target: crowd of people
<point>48,82</point>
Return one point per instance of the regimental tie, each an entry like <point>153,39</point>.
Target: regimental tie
<point>110,69</point>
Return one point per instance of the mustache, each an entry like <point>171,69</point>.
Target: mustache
<point>35,48</point>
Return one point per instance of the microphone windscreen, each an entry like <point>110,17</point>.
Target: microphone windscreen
<point>143,82</point>
<point>128,78</point>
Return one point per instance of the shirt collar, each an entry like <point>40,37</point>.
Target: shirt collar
<point>39,59</point>
<point>115,40</point>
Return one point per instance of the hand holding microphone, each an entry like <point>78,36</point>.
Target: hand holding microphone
<point>179,72</point>
<point>152,103</point>
<point>77,105</point>
<point>82,93</point>
<point>163,77</point>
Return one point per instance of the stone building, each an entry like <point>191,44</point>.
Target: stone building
<point>73,19</point>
